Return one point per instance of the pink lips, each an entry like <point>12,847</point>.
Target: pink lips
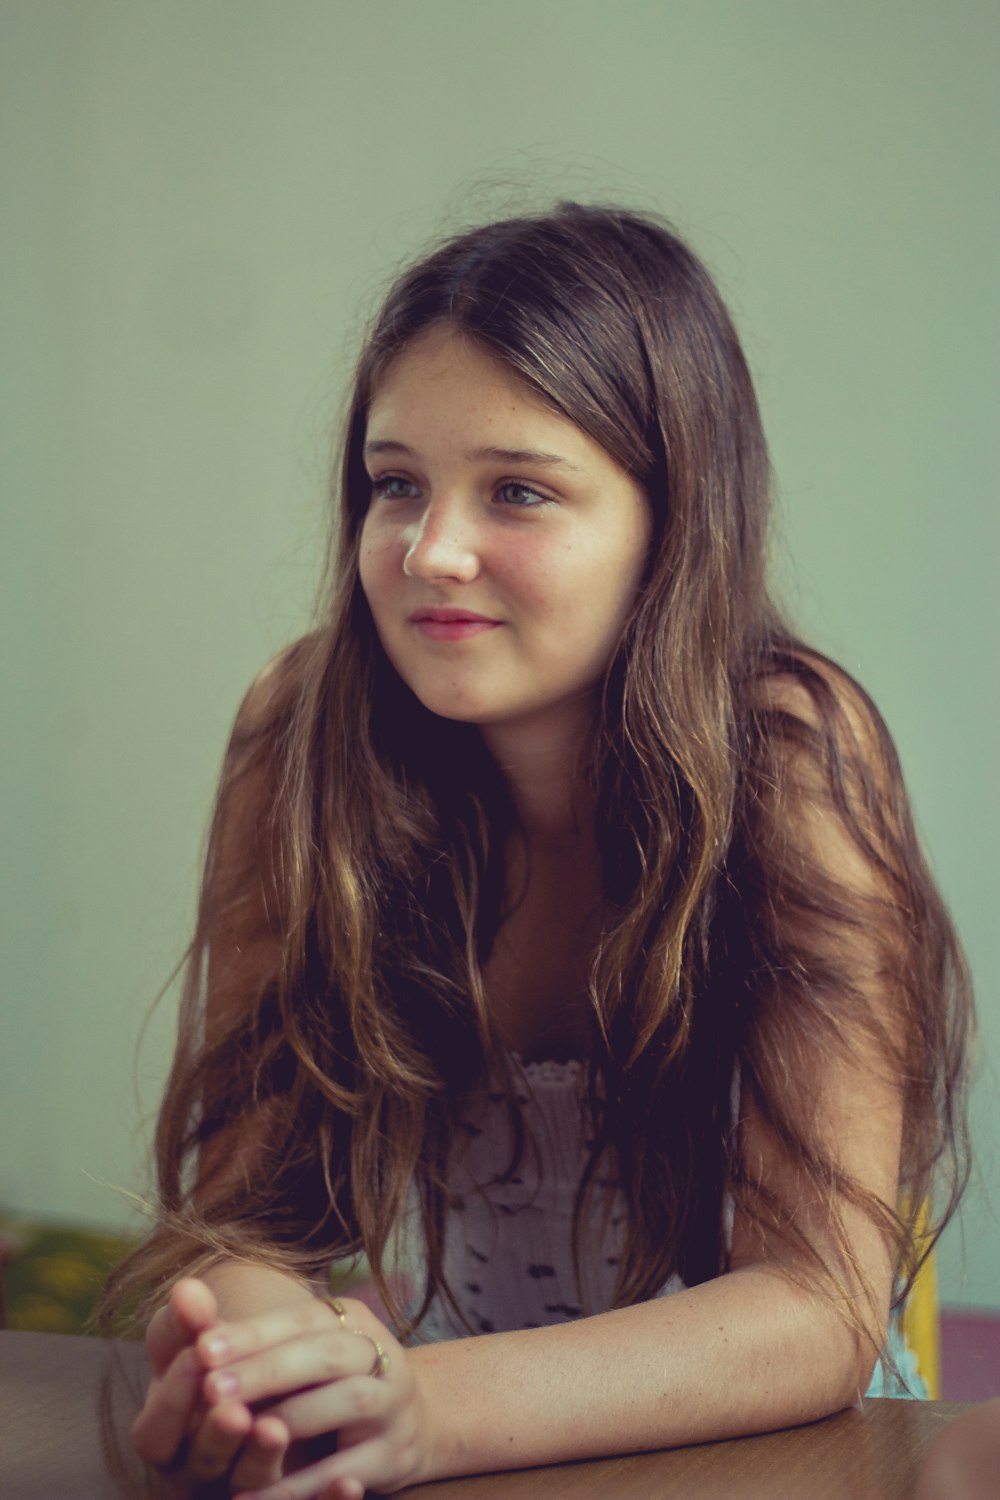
<point>451,624</point>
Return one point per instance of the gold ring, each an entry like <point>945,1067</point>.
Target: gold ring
<point>380,1364</point>
<point>336,1306</point>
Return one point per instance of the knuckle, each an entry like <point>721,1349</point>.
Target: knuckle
<point>402,1458</point>
<point>365,1399</point>
<point>267,1372</point>
<point>403,1445</point>
<point>310,1316</point>
<point>331,1357</point>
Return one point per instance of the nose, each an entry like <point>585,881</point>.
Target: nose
<point>441,545</point>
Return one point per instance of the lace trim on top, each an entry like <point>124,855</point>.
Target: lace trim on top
<point>550,1072</point>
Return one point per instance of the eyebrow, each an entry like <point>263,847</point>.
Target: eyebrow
<point>483,455</point>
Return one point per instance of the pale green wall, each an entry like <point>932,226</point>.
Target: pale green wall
<point>201,200</point>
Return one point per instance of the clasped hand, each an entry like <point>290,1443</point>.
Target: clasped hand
<point>239,1401</point>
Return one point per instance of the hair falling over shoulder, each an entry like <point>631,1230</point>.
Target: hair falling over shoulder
<point>334,1014</point>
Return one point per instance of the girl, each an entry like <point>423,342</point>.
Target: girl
<point>563,916</point>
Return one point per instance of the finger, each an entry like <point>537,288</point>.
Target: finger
<point>227,1342</point>
<point>328,1408</point>
<point>217,1440</point>
<point>360,1466</point>
<point>344,1489</point>
<point>314,1359</point>
<point>190,1310</point>
<point>260,1462</point>
<point>161,1426</point>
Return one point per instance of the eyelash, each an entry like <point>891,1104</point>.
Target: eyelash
<point>381,482</point>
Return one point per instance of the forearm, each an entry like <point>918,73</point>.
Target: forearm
<point>748,1352</point>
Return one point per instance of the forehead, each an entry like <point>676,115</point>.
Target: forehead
<point>445,391</point>
<point>443,360</point>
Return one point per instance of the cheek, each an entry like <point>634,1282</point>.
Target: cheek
<point>589,586</point>
<point>375,569</point>
<point>542,579</point>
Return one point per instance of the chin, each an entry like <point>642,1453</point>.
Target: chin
<point>443,704</point>
<point>458,713</point>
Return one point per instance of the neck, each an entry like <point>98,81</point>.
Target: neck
<point>554,809</point>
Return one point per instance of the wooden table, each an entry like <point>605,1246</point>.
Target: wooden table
<point>51,1445</point>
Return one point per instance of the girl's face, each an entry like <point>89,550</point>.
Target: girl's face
<point>503,547</point>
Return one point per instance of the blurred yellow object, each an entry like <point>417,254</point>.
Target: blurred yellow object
<point>52,1273</point>
<point>921,1322</point>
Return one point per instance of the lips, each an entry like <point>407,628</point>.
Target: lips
<point>439,624</point>
<point>446,616</point>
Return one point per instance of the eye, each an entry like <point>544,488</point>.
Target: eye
<point>521,496</point>
<point>392,487</point>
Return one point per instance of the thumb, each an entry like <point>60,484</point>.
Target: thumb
<point>190,1310</point>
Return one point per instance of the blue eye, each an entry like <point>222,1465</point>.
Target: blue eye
<point>523,496</point>
<point>384,487</point>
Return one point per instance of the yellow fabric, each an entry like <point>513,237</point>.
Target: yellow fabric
<point>51,1274</point>
<point>921,1326</point>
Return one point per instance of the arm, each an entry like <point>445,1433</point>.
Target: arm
<point>753,1350</point>
<point>759,1348</point>
<point>769,1344</point>
<point>238,929</point>
<point>747,1352</point>
<point>773,1342</point>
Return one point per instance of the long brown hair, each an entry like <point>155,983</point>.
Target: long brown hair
<point>354,880</point>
